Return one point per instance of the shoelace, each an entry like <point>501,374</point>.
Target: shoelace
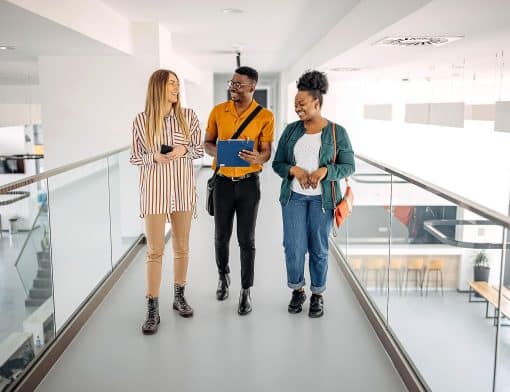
<point>151,317</point>
<point>182,302</point>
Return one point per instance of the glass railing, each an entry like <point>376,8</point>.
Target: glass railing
<point>58,245</point>
<point>412,247</point>
<point>36,247</point>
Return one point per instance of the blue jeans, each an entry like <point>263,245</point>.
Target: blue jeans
<point>306,228</point>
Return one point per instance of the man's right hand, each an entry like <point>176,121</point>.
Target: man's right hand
<point>301,175</point>
<point>161,158</point>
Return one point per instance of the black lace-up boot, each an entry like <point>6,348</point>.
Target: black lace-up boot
<point>150,326</point>
<point>180,303</point>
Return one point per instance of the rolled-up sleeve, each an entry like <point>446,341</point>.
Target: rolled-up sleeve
<point>195,147</point>
<point>139,154</point>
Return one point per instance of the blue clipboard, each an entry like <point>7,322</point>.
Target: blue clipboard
<point>228,152</point>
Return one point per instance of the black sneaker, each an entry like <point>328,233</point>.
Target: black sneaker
<point>297,300</point>
<point>316,306</point>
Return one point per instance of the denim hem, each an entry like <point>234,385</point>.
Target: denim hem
<point>296,286</point>
<point>317,290</point>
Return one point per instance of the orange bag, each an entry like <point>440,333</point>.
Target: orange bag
<point>344,208</point>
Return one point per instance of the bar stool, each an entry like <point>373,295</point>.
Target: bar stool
<point>356,265</point>
<point>415,265</point>
<point>435,265</point>
<point>396,265</point>
<point>375,265</point>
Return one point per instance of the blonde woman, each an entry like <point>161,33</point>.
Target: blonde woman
<point>167,185</point>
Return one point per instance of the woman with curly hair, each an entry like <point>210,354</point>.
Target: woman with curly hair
<point>304,160</point>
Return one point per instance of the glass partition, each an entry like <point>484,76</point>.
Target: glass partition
<point>124,204</point>
<point>59,239</point>
<point>502,370</point>
<point>26,301</point>
<point>438,276</point>
<point>365,236</point>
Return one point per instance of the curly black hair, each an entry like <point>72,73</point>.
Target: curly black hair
<point>315,82</point>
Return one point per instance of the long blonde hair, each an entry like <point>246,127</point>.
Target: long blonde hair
<point>155,108</point>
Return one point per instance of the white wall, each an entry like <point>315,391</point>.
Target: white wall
<point>89,102</point>
<point>19,105</point>
<point>19,114</point>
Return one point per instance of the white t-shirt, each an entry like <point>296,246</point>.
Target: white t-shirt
<point>306,152</point>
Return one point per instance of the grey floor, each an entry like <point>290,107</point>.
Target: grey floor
<point>449,340</point>
<point>217,350</point>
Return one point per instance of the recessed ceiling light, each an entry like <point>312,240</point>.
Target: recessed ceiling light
<point>4,47</point>
<point>232,11</point>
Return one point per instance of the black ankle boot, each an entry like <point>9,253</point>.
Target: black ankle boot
<point>180,303</point>
<point>150,326</point>
<point>222,290</point>
<point>316,306</point>
<point>244,302</point>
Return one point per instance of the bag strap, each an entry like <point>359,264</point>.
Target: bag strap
<point>241,129</point>
<point>333,193</point>
<point>333,162</point>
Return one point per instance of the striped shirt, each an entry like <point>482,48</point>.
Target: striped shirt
<point>167,187</point>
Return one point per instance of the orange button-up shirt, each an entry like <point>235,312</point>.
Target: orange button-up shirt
<point>224,121</point>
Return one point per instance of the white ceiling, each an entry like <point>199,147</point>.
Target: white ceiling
<point>34,36</point>
<point>484,25</point>
<point>272,33</point>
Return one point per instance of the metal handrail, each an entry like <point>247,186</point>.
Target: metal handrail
<point>53,172</point>
<point>488,213</point>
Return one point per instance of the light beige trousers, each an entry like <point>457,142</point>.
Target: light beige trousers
<point>155,234</point>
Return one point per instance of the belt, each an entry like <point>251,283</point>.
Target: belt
<point>248,175</point>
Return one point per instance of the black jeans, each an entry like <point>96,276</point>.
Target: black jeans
<point>242,199</point>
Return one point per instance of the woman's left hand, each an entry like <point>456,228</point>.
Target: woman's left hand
<point>317,176</point>
<point>178,152</point>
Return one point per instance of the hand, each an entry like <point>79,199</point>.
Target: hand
<point>178,152</point>
<point>252,157</point>
<point>317,176</point>
<point>301,175</point>
<point>161,158</point>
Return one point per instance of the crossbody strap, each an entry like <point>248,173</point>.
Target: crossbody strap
<point>333,162</point>
<point>241,129</point>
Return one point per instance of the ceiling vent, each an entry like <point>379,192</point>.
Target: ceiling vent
<point>345,69</point>
<point>416,41</point>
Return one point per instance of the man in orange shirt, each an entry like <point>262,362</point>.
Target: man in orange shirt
<point>237,189</point>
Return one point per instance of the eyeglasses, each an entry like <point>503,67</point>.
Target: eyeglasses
<point>237,85</point>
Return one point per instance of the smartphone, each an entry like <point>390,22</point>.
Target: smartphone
<point>165,149</point>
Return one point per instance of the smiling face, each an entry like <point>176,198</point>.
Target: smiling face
<point>241,88</point>
<point>306,106</point>
<point>172,89</point>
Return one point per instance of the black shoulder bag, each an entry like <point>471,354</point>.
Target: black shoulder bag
<point>209,202</point>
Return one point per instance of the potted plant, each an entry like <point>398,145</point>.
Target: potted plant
<point>481,267</point>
